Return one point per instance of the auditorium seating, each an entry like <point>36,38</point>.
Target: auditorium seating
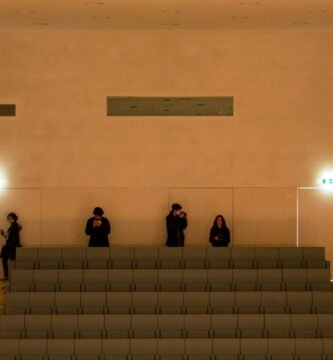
<point>168,303</point>
<point>170,258</point>
<point>226,302</point>
<point>166,326</point>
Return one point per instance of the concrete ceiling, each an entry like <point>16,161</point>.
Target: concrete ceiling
<point>166,14</point>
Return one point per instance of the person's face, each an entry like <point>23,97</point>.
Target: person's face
<point>10,219</point>
<point>219,222</point>
<point>177,212</point>
<point>98,217</point>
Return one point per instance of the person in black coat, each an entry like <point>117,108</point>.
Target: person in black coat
<point>219,233</point>
<point>176,223</point>
<point>12,237</point>
<point>98,228</point>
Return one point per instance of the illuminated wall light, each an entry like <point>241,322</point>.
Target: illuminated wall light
<point>3,181</point>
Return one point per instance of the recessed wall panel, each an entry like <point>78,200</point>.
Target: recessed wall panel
<point>170,106</point>
<point>7,110</point>
<point>264,216</point>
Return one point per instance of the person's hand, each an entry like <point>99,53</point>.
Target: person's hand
<point>182,214</point>
<point>95,223</point>
<point>216,238</point>
<point>98,223</point>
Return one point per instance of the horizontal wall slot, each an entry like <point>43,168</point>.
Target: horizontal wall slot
<point>7,110</point>
<point>170,106</point>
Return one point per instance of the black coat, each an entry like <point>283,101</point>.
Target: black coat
<point>223,235</point>
<point>175,229</point>
<point>99,234</point>
<point>12,241</point>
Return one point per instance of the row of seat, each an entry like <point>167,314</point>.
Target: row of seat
<point>168,302</point>
<point>170,280</point>
<point>166,349</point>
<point>167,326</point>
<point>216,264</point>
<point>164,257</point>
<point>166,253</point>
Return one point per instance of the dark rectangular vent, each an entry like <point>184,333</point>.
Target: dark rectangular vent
<point>7,110</point>
<point>170,106</point>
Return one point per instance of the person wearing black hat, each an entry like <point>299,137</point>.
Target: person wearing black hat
<point>98,228</point>
<point>176,223</point>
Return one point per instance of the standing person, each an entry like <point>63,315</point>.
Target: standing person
<point>98,228</point>
<point>219,233</point>
<point>12,237</point>
<point>176,223</point>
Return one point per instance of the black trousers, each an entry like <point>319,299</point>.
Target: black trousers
<point>98,243</point>
<point>5,266</point>
<point>7,254</point>
<point>174,243</point>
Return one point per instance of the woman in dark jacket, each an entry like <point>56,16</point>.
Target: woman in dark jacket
<point>12,237</point>
<point>219,233</point>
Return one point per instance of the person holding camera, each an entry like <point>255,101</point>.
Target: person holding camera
<point>12,236</point>
<point>176,223</point>
<point>219,233</point>
<point>98,228</point>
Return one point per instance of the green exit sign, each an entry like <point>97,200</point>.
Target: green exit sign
<point>327,181</point>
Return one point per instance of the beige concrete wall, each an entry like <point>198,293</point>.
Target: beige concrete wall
<point>62,143</point>
<point>279,136</point>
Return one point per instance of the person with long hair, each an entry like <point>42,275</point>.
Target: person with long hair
<point>219,233</point>
<point>12,236</point>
